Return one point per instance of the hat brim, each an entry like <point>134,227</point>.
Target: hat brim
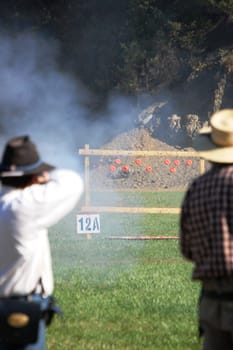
<point>208,150</point>
<point>16,173</point>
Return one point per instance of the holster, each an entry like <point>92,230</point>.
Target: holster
<point>20,318</point>
<point>19,321</point>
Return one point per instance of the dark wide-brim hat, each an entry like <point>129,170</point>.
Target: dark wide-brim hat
<point>20,157</point>
<point>215,143</point>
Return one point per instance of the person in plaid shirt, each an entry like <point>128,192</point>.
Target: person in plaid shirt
<point>206,231</point>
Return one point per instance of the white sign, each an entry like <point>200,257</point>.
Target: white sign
<point>88,223</point>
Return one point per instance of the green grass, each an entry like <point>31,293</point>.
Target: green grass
<point>124,294</point>
<point>138,199</point>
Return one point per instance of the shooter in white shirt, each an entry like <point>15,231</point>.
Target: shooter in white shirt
<point>34,196</point>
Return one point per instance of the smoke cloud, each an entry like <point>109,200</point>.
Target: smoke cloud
<point>39,99</point>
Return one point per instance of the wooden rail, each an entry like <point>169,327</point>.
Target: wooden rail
<point>131,210</point>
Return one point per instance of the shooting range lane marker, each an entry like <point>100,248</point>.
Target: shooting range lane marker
<point>88,224</point>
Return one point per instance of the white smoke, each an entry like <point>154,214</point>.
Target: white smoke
<point>40,100</point>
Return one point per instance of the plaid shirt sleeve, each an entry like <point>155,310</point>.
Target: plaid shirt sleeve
<point>185,228</point>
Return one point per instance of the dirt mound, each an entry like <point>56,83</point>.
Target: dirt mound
<point>141,173</point>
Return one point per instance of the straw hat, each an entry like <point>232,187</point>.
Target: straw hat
<point>215,143</point>
<point>20,157</point>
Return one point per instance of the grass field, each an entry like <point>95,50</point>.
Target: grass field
<point>124,294</point>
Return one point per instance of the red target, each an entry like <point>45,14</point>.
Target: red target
<point>176,162</point>
<point>112,168</point>
<point>167,162</point>
<point>149,169</point>
<point>189,162</point>
<point>172,170</point>
<point>117,161</point>
<point>125,169</point>
<point>138,161</point>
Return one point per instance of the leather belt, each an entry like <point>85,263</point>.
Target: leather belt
<point>221,296</point>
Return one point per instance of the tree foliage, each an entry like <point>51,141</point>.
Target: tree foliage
<point>132,46</point>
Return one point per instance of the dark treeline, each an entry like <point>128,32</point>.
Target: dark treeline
<point>134,47</point>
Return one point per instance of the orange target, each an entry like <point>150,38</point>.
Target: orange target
<point>149,169</point>
<point>138,161</point>
<point>176,162</point>
<point>125,169</point>
<point>172,170</point>
<point>117,161</point>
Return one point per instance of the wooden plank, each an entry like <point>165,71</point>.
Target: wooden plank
<point>143,237</point>
<point>131,210</point>
<point>108,152</point>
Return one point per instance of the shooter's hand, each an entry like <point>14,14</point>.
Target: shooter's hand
<point>42,178</point>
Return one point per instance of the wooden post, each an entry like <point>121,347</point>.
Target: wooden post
<point>87,177</point>
<point>202,166</point>
<point>87,182</point>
